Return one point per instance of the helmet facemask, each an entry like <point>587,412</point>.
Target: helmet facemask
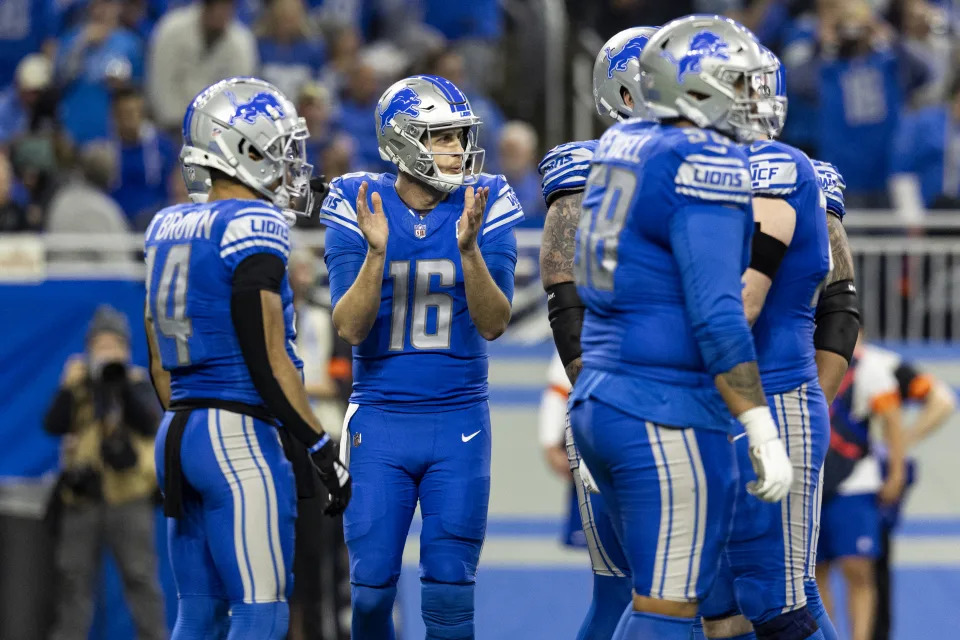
<point>425,166</point>
<point>289,151</point>
<point>759,111</point>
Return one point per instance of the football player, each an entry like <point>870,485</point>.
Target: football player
<point>219,323</point>
<point>421,267</point>
<point>564,172</point>
<point>664,237</point>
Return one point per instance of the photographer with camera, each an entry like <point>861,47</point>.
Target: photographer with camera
<point>108,414</point>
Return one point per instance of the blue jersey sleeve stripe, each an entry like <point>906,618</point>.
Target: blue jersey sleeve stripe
<point>239,229</point>
<point>515,217</point>
<point>717,160</point>
<point>232,243</point>
<point>581,169</point>
<point>714,196</point>
<point>500,208</point>
<point>247,211</point>
<point>770,156</point>
<point>334,212</point>
<point>341,222</point>
<point>247,244</point>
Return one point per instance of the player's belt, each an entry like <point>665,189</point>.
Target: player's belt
<point>303,471</point>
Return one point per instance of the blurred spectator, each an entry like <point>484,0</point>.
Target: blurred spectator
<point>518,162</point>
<point>192,48</point>
<point>94,58</point>
<point>34,158</point>
<point>108,413</point>
<point>330,151</point>
<point>450,64</point>
<point>860,78</point>
<point>926,159</point>
<point>177,189</point>
<point>139,16</point>
<point>82,204</point>
<point>474,30</point>
<point>343,52</point>
<point>925,35</point>
<point>147,157</point>
<point>357,115</point>
<point>13,216</point>
<point>290,53</point>
<point>26,26</point>
<point>17,103</point>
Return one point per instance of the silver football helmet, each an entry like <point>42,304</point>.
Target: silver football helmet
<point>410,112</point>
<point>617,69</point>
<point>247,129</point>
<point>709,70</point>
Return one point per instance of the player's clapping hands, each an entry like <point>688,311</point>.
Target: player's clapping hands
<point>373,224</point>
<point>474,204</point>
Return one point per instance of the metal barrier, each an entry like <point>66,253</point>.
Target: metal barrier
<point>908,276</point>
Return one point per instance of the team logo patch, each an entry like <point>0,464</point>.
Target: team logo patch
<point>263,104</point>
<point>405,101</point>
<point>630,51</point>
<point>705,44</point>
<point>420,230</point>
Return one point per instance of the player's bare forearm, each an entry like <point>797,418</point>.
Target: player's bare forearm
<point>559,240</point>
<point>840,251</point>
<point>939,404</point>
<point>831,367</point>
<point>284,371</point>
<point>158,375</point>
<point>896,455</point>
<point>741,388</point>
<point>357,310</point>
<point>573,369</point>
<point>488,306</point>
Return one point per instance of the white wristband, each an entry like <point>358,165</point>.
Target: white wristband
<point>759,425</point>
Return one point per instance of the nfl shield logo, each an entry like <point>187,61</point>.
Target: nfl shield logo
<point>420,230</point>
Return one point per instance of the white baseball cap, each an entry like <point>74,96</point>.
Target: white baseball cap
<point>34,73</point>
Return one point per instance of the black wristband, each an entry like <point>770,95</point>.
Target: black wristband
<point>565,311</point>
<point>766,253</point>
<point>838,319</point>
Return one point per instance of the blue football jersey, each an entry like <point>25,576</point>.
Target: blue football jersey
<point>564,170</point>
<point>832,185</point>
<point>192,251</point>
<point>423,350</point>
<point>783,333</point>
<point>658,325</point>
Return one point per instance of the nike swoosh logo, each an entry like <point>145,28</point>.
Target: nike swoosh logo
<point>471,436</point>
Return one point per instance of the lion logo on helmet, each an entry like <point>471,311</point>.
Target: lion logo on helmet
<point>405,101</point>
<point>705,44</point>
<point>630,51</point>
<point>262,104</point>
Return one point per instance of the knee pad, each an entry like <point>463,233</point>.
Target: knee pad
<point>261,621</point>
<point>373,601</point>
<point>446,567</point>
<point>447,610</point>
<point>795,625</point>
<point>201,617</point>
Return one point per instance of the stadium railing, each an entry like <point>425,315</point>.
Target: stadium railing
<point>908,275</point>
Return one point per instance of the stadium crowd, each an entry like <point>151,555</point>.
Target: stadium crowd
<point>92,91</point>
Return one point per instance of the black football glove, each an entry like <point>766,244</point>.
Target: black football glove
<point>334,477</point>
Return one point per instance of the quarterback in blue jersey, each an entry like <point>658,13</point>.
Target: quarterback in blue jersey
<point>667,352</point>
<point>564,172</point>
<point>219,322</point>
<point>421,270</point>
<point>768,565</point>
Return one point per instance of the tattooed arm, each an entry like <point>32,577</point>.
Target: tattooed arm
<point>831,366</point>
<point>556,268</point>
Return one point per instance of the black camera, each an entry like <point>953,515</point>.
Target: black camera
<point>117,450</point>
<point>84,482</point>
